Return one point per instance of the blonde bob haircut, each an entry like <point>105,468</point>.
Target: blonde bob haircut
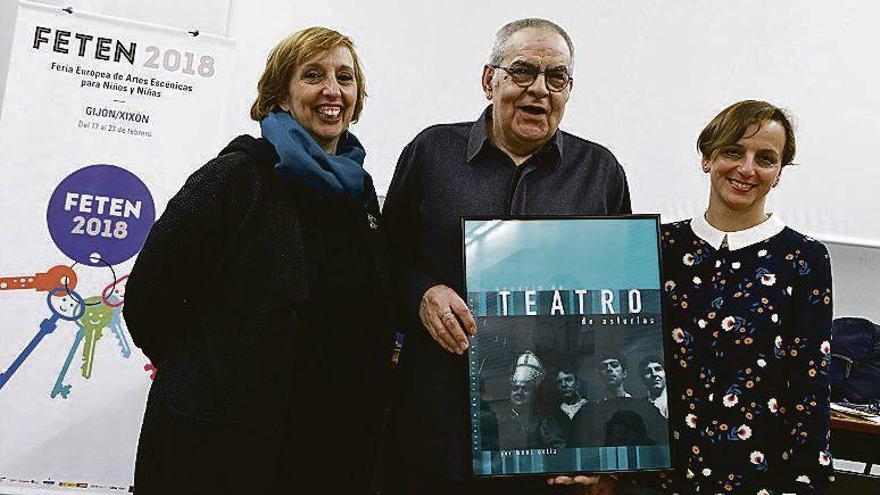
<point>286,58</point>
<point>731,124</point>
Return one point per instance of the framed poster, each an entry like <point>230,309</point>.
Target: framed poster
<point>567,369</point>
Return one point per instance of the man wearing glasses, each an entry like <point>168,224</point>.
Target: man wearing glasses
<point>512,161</point>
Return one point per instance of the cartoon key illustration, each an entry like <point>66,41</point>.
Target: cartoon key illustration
<point>96,318</point>
<point>70,307</point>
<point>114,296</point>
<point>60,388</point>
<point>118,330</point>
<point>57,276</point>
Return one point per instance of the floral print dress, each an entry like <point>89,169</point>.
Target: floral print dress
<point>749,324</point>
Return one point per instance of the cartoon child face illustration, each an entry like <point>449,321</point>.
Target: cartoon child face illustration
<point>97,314</point>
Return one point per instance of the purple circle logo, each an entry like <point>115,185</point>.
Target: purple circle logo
<point>100,214</point>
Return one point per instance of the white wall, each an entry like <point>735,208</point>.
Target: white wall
<point>856,272</point>
<point>210,16</point>
<point>648,75</point>
<point>8,12</point>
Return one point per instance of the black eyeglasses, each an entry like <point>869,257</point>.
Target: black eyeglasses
<point>524,75</point>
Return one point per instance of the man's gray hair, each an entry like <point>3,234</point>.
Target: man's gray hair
<point>506,31</point>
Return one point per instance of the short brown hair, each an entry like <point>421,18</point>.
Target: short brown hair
<point>731,124</point>
<point>287,56</point>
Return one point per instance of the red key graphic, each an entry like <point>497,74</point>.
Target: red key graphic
<point>52,279</point>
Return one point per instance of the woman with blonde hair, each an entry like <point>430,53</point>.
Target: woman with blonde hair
<point>260,296</point>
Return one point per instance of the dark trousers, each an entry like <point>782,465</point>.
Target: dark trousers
<point>181,454</point>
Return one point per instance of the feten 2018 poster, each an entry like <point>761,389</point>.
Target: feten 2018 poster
<point>567,369</point>
<point>103,119</point>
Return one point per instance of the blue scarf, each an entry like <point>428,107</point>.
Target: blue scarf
<point>339,177</point>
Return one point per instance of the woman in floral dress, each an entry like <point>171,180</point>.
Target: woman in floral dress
<point>748,302</point>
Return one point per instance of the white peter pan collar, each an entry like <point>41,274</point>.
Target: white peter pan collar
<point>739,239</point>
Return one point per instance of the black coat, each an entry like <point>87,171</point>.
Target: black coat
<point>231,298</point>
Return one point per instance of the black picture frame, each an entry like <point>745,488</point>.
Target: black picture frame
<point>534,286</point>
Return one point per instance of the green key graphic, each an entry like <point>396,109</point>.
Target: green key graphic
<point>95,319</point>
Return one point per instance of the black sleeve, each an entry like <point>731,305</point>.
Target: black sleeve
<point>180,252</point>
<point>808,468</point>
<point>410,272</point>
<point>621,188</point>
